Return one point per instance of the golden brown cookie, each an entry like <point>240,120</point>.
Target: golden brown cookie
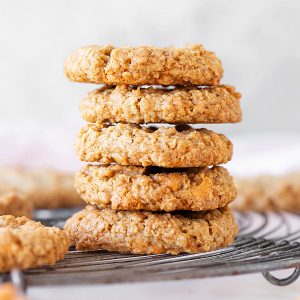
<point>170,147</point>
<point>44,187</point>
<point>8,291</point>
<point>192,65</point>
<point>144,232</point>
<point>15,204</point>
<point>26,244</point>
<point>153,188</point>
<point>191,105</point>
<point>268,193</point>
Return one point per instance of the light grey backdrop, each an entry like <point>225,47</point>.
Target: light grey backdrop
<point>258,42</point>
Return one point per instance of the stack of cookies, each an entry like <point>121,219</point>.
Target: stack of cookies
<point>152,190</point>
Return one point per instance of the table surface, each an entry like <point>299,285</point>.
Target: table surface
<point>252,286</point>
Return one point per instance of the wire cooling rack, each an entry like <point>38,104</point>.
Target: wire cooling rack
<point>267,242</point>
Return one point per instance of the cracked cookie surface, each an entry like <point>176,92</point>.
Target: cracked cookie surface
<point>138,188</point>
<point>170,147</point>
<point>191,105</point>
<point>26,244</point>
<point>144,232</point>
<point>191,65</point>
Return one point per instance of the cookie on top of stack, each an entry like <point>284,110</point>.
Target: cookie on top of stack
<point>154,190</point>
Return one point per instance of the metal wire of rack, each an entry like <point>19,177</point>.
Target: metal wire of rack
<point>267,242</point>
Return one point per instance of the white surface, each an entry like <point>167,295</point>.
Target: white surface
<point>244,287</point>
<point>269,153</point>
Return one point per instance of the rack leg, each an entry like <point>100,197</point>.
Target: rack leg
<point>282,281</point>
<point>18,280</point>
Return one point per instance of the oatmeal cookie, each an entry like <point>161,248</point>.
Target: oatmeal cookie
<point>153,188</point>
<point>192,65</point>
<point>15,204</point>
<point>170,147</point>
<point>191,105</point>
<point>8,291</point>
<point>268,193</point>
<point>44,187</point>
<point>144,232</point>
<point>26,244</point>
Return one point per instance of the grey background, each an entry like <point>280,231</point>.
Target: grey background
<point>258,42</point>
